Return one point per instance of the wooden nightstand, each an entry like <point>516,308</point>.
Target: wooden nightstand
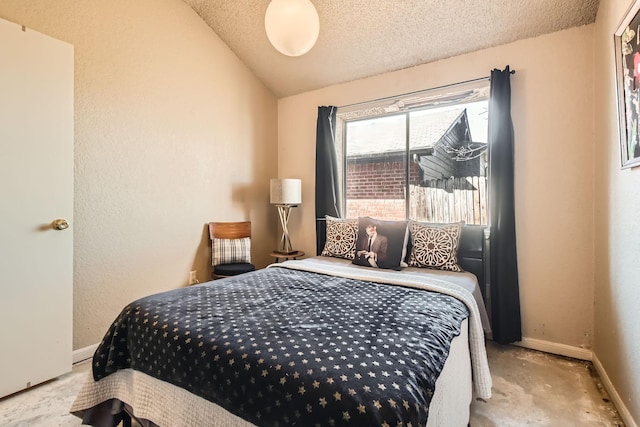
<point>293,255</point>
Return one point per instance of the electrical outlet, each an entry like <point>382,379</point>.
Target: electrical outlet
<point>193,278</point>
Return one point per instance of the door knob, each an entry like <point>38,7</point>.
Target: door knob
<point>60,224</point>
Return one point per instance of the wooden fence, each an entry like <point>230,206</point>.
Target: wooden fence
<point>450,200</point>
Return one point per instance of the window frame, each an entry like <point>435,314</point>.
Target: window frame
<point>450,95</point>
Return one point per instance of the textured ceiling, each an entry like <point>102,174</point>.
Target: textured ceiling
<point>361,38</point>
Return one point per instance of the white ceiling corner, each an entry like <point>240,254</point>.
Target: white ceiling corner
<point>361,38</point>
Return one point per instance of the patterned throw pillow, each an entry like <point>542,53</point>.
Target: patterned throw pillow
<point>231,251</point>
<point>341,238</point>
<point>435,245</point>
<point>380,243</point>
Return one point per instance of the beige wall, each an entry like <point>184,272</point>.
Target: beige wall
<point>617,225</point>
<point>553,118</point>
<point>171,131</point>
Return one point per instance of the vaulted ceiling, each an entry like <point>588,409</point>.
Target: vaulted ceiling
<point>361,38</point>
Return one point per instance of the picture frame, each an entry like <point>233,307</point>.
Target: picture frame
<point>627,58</point>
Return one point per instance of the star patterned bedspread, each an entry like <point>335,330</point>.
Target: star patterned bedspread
<point>284,346</point>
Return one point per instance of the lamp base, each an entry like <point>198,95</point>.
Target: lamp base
<point>284,252</point>
<point>285,247</point>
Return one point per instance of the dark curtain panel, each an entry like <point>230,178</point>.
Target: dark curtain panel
<point>327,186</point>
<point>505,297</point>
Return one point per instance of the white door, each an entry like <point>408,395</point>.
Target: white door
<point>36,188</point>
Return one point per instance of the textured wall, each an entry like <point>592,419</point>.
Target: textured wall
<point>617,238</point>
<point>171,131</point>
<point>553,118</point>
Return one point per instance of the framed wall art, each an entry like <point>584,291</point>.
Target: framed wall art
<point>627,52</point>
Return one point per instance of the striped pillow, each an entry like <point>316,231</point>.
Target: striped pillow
<point>231,251</point>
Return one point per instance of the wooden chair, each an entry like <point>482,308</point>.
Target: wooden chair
<point>231,248</point>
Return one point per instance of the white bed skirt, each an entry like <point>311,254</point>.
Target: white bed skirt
<point>166,405</point>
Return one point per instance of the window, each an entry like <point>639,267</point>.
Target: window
<point>422,157</point>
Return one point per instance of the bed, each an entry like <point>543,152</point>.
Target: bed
<point>318,341</point>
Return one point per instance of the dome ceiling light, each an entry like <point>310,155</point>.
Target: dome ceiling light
<point>292,26</point>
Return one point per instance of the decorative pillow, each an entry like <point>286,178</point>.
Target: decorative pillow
<point>231,251</point>
<point>341,237</point>
<point>380,243</point>
<point>435,245</point>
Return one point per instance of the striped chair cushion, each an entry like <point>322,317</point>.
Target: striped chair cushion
<point>231,251</point>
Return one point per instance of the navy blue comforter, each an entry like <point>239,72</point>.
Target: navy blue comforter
<point>284,347</point>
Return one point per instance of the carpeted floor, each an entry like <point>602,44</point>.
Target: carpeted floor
<point>529,388</point>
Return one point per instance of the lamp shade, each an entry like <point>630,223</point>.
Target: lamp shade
<point>292,26</point>
<point>286,191</point>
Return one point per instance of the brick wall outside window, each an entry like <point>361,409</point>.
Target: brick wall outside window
<point>379,179</point>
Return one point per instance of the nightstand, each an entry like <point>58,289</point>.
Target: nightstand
<point>293,255</point>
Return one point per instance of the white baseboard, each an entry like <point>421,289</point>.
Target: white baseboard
<point>617,400</point>
<point>555,348</point>
<point>83,354</point>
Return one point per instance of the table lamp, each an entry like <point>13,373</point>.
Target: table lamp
<point>285,194</point>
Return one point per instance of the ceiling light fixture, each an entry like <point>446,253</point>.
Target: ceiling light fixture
<point>292,26</point>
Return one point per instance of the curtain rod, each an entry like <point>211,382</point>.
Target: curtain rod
<point>420,91</point>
